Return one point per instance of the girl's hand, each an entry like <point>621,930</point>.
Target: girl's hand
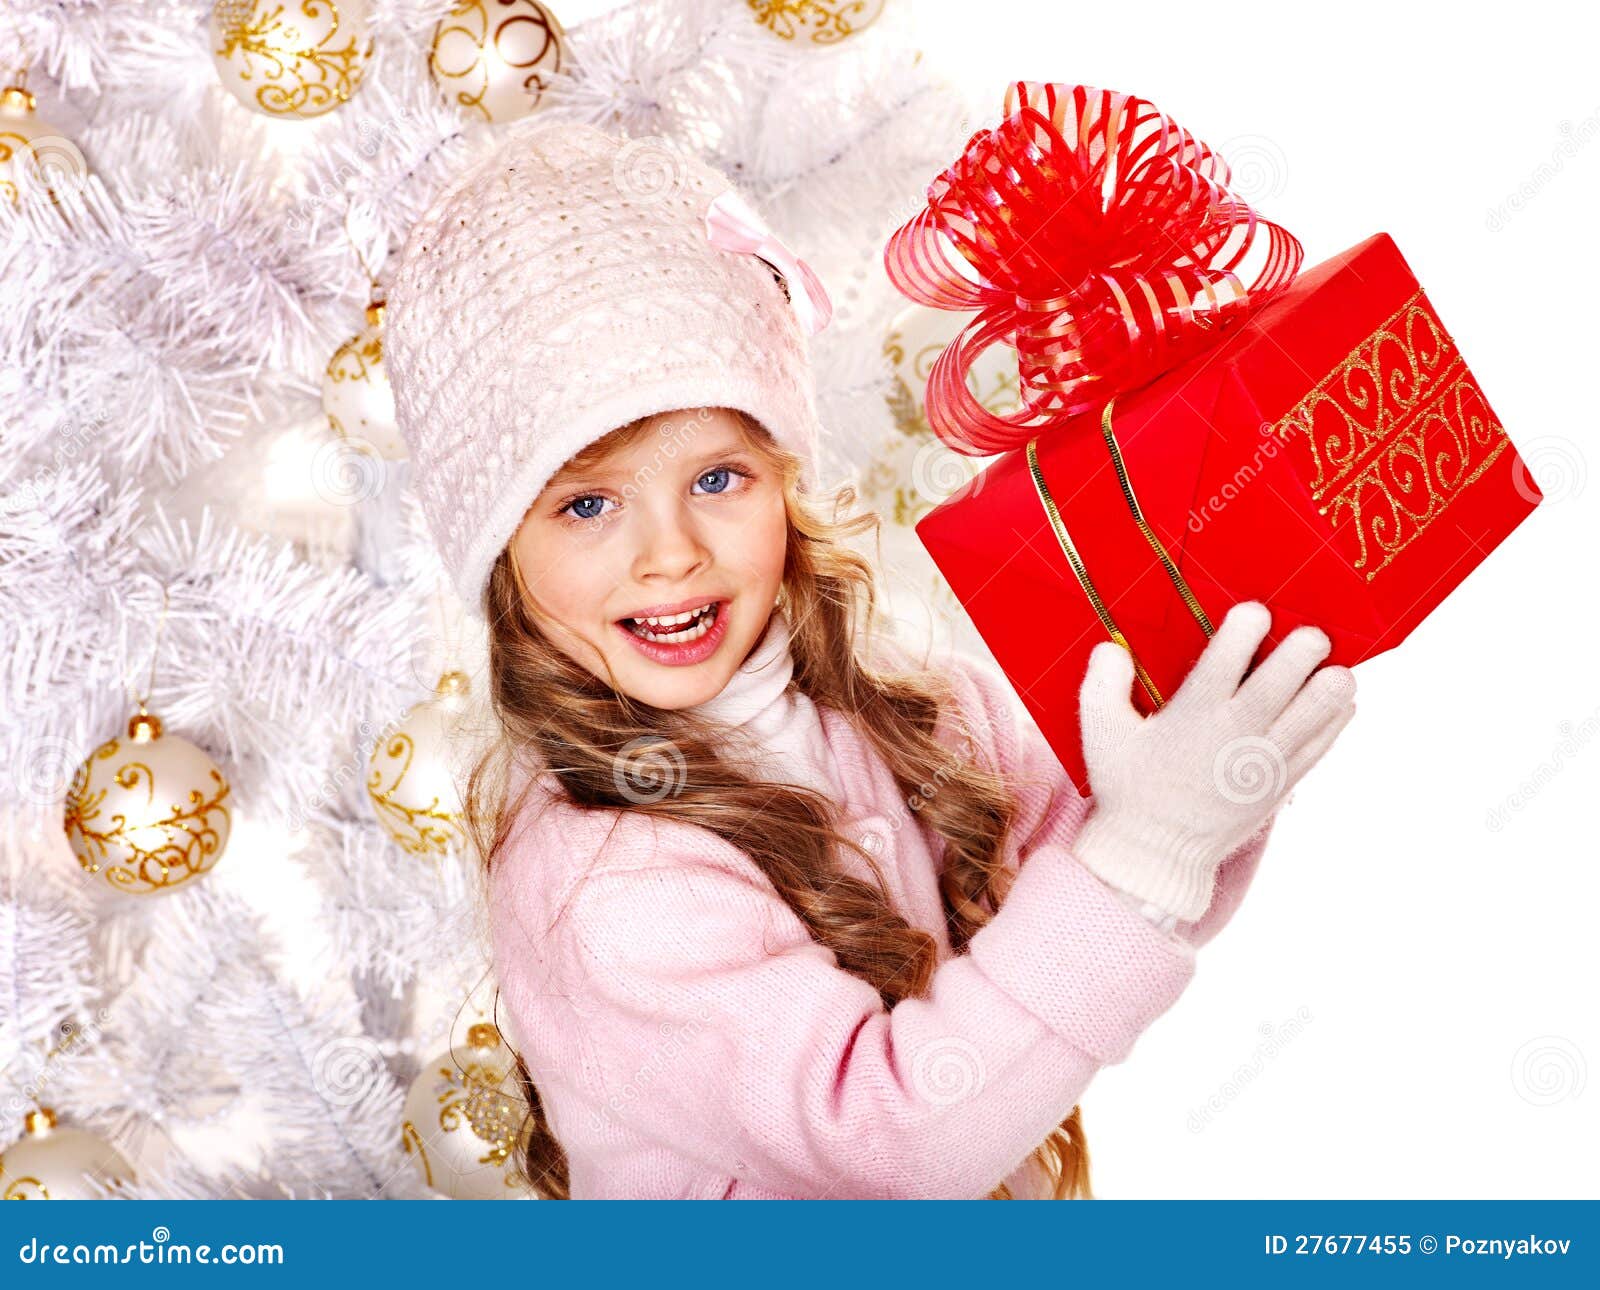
<point>1175,793</point>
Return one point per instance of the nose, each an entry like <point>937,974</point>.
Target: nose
<point>670,549</point>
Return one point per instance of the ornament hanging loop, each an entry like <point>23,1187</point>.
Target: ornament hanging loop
<point>141,700</point>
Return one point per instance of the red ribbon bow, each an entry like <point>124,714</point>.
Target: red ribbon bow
<point>1107,249</point>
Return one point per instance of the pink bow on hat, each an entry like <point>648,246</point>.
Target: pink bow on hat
<point>733,226</point>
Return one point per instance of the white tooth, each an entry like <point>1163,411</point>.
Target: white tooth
<point>684,636</point>
<point>674,620</point>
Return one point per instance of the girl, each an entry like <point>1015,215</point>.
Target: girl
<point>778,909</point>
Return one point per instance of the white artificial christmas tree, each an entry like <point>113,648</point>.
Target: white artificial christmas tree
<point>181,524</point>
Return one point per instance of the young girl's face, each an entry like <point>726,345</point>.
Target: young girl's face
<point>685,525</point>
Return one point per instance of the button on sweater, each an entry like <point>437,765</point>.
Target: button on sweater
<point>690,1039</point>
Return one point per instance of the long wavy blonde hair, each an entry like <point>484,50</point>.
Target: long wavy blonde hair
<point>576,726</point>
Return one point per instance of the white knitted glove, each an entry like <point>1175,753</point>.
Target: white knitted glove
<point>1178,791</point>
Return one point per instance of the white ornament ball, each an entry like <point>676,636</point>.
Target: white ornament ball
<point>463,1120</point>
<point>50,1163</point>
<point>149,812</point>
<point>913,470</point>
<point>916,338</point>
<point>910,474</point>
<point>412,774</point>
<point>356,393</point>
<point>290,59</point>
<point>493,58</point>
<point>32,146</point>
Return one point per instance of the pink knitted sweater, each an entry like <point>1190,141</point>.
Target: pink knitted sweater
<point>689,1039</point>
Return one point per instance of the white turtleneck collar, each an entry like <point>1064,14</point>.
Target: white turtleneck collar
<point>760,703</point>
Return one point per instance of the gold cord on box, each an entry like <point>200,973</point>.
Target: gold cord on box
<point>1064,539</point>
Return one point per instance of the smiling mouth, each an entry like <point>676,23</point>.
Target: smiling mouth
<point>675,629</point>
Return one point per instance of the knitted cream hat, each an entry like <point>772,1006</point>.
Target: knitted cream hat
<point>559,288</point>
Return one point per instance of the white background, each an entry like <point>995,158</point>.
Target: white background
<point>1405,1004</point>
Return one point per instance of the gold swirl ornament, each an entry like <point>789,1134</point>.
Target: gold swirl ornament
<point>291,59</point>
<point>148,812</point>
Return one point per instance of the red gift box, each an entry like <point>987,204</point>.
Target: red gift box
<point>1313,442</point>
<point>1331,455</point>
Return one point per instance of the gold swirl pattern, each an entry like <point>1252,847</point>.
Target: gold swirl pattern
<point>412,1141</point>
<point>823,23</point>
<point>304,72</point>
<point>911,353</point>
<point>357,358</point>
<point>1395,432</point>
<point>29,144</point>
<point>473,1096</point>
<point>12,145</point>
<point>144,844</point>
<point>426,828</point>
<point>498,67</point>
<point>357,361</point>
<point>910,417</point>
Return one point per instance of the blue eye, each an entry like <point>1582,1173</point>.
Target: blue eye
<point>585,508</point>
<point>721,478</point>
<point>589,507</point>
